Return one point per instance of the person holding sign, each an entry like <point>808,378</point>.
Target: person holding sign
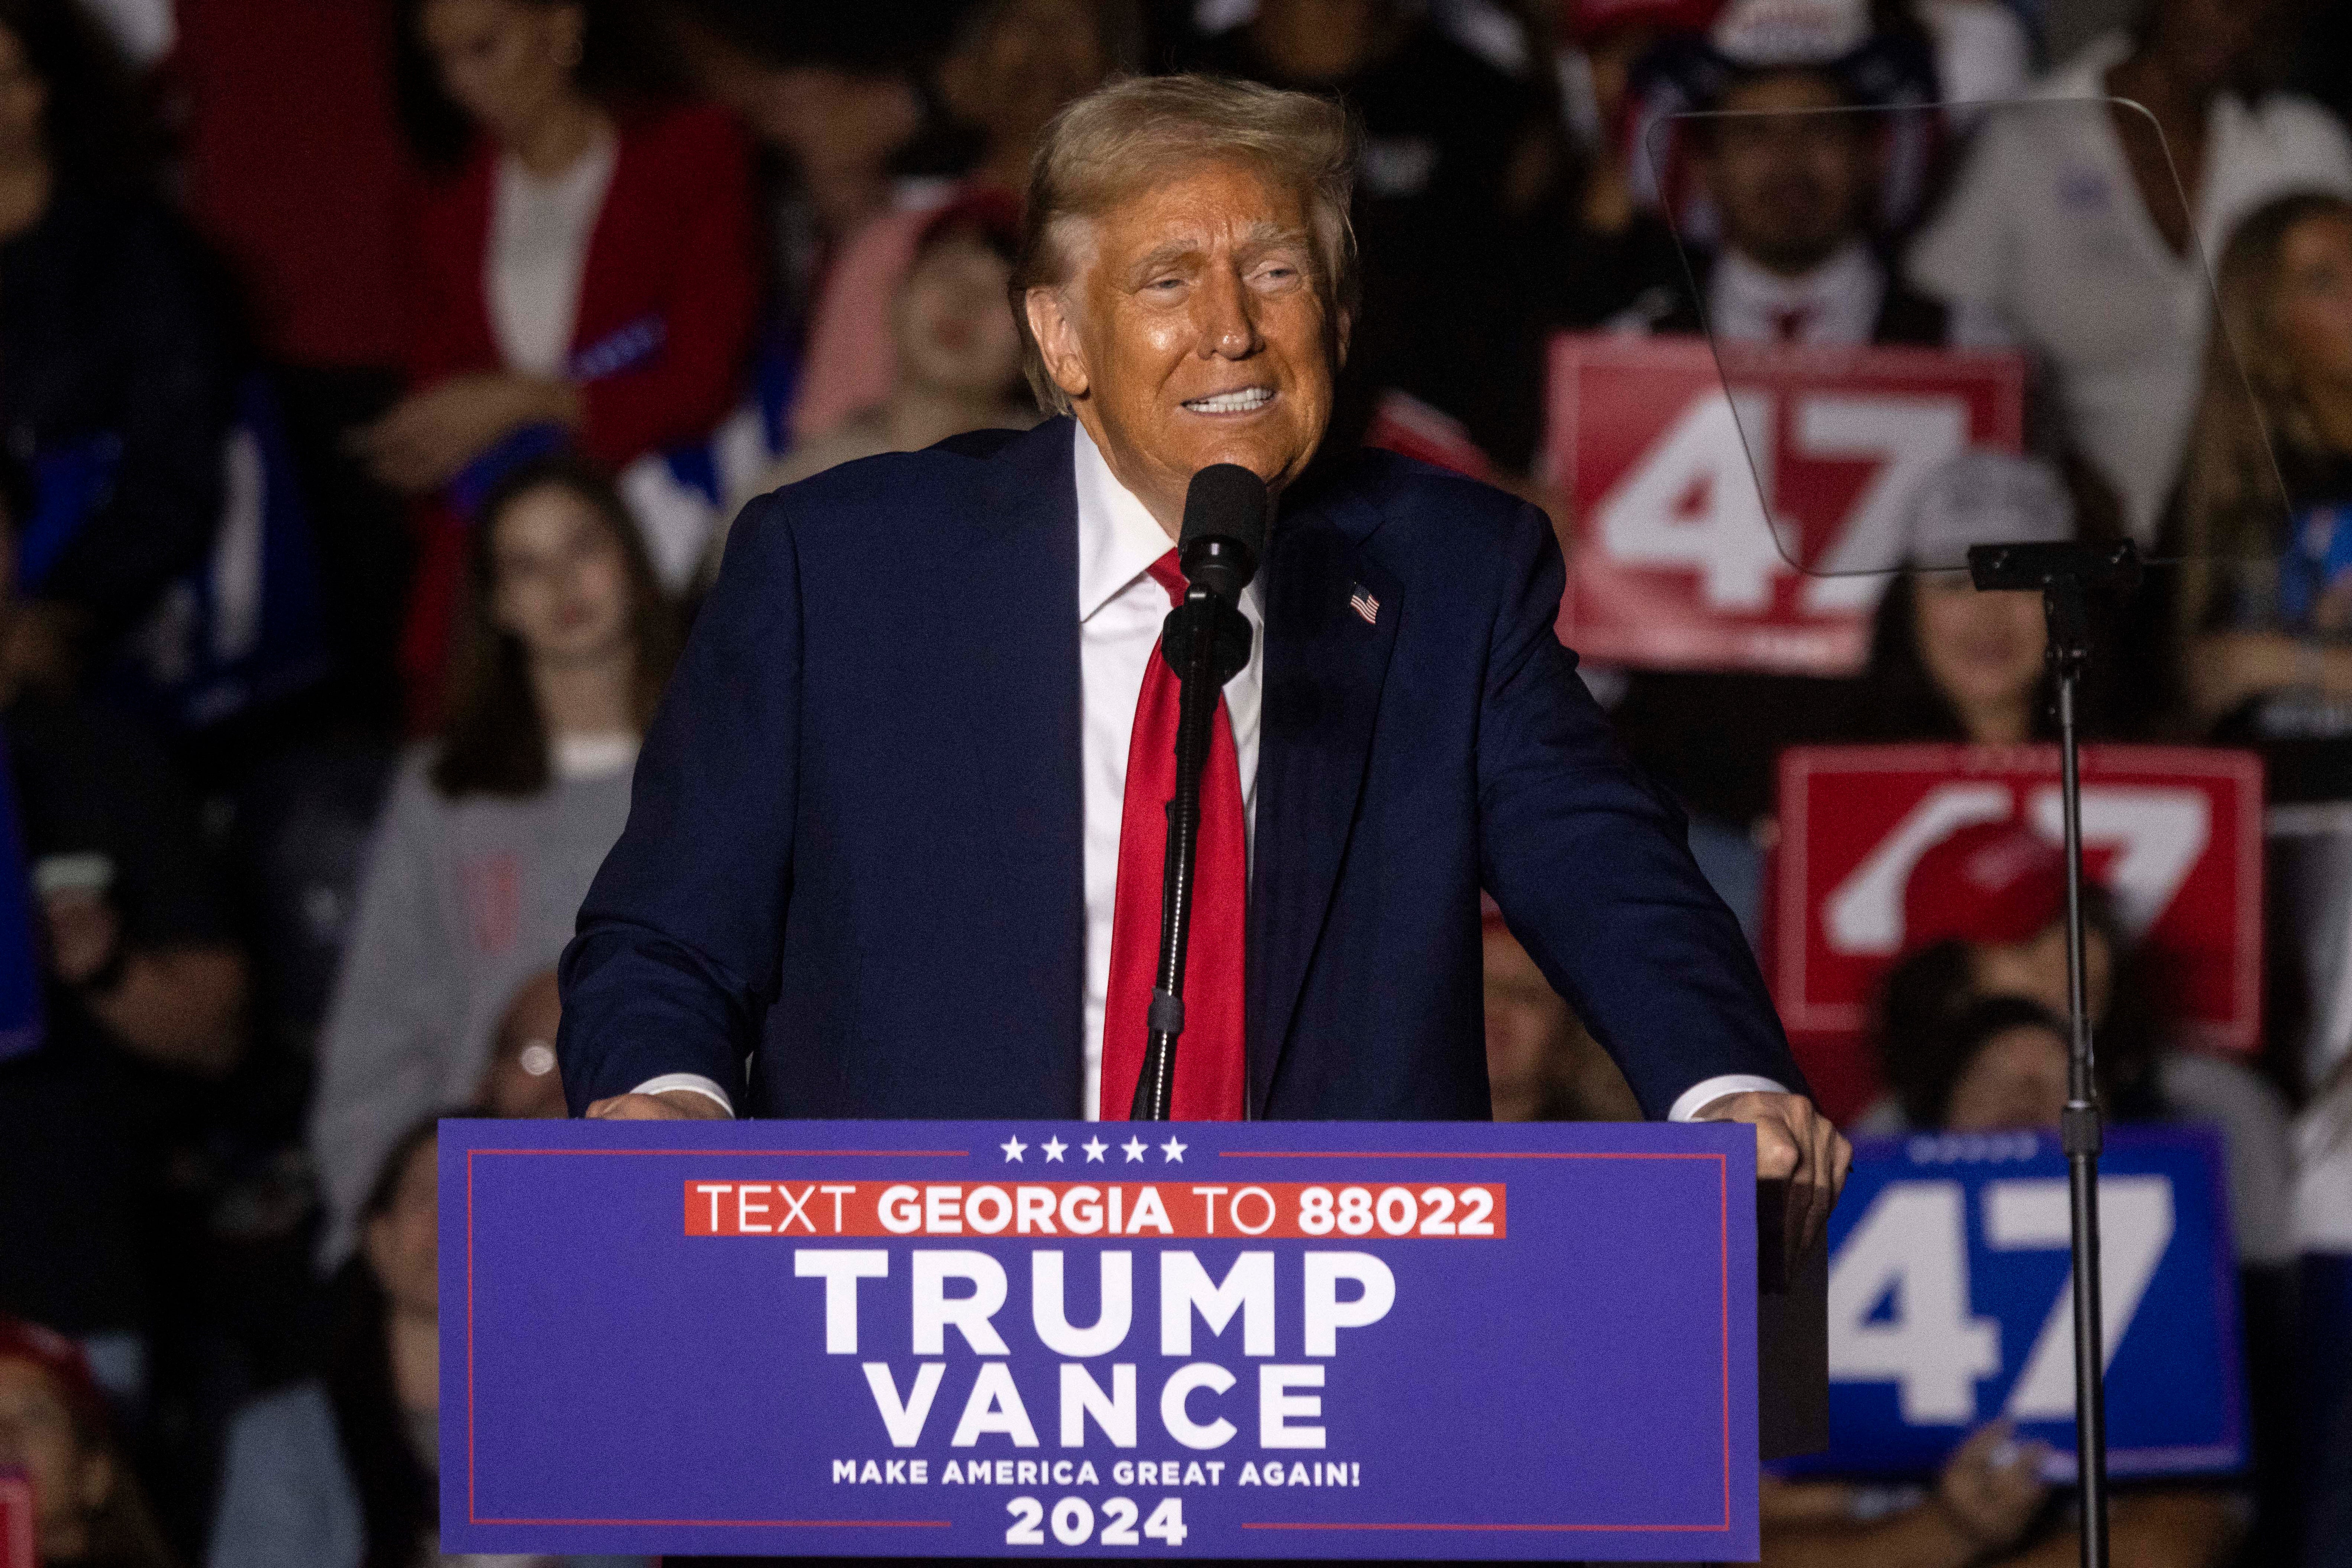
<point>1793,166</point>
<point>1999,1064</point>
<point>2264,611</point>
<point>896,829</point>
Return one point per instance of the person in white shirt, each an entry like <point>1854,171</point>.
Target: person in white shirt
<point>493,833</point>
<point>2080,226</point>
<point>1792,170</point>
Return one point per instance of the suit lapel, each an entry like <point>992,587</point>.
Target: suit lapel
<point>1022,566</point>
<point>1331,616</point>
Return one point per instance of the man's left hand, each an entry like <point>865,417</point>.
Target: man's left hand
<point>1795,1144</point>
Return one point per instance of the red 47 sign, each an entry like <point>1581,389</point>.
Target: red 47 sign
<point>2173,833</point>
<point>1673,564</point>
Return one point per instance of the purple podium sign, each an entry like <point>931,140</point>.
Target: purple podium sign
<point>1011,1339</point>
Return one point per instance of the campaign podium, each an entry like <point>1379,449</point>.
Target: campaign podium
<point>1008,1339</point>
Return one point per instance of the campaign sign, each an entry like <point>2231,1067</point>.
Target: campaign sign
<point>2173,833</point>
<point>1673,565</point>
<point>1009,1339</point>
<point>1950,1303</point>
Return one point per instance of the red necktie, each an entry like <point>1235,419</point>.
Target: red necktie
<point>1209,1058</point>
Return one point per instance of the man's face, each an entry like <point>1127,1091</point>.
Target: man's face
<point>1194,331</point>
<point>1789,183</point>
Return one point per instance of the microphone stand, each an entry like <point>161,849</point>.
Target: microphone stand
<point>1206,641</point>
<point>2066,574</point>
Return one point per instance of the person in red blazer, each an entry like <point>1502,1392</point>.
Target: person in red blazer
<point>668,298</point>
<point>588,274</point>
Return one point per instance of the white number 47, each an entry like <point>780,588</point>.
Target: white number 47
<point>1911,1250</point>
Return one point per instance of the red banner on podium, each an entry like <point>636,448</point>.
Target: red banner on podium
<point>1673,565</point>
<point>2175,834</point>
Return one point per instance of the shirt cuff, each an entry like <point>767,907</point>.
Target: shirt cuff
<point>1695,1098</point>
<point>695,1083</point>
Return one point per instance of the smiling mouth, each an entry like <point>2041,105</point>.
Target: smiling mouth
<point>1248,400</point>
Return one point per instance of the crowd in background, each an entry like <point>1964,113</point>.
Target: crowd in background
<point>378,379</point>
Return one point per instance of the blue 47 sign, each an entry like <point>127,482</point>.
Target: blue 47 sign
<point>1216,1340</point>
<point>1950,1302</point>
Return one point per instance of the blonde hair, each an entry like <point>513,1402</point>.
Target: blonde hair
<point>2231,488</point>
<point>1120,138</point>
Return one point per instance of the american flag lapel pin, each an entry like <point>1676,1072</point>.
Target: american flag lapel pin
<point>1364,605</point>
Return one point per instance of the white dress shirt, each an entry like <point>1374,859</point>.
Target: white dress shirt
<point>1833,306</point>
<point>1120,608</point>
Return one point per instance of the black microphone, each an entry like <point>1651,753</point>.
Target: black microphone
<point>1224,530</point>
<point>1206,641</point>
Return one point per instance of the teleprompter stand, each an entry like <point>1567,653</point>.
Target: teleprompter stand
<point>1206,641</point>
<point>2067,576</point>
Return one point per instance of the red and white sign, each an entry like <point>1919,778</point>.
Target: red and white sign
<point>1403,424</point>
<point>1673,565</point>
<point>2173,833</point>
<point>16,1543</point>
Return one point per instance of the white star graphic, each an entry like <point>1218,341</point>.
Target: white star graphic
<point>1052,1147</point>
<point>1094,1147</point>
<point>1173,1151</point>
<point>1013,1147</point>
<point>1133,1149</point>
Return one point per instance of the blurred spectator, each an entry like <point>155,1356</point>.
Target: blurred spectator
<point>1878,48</point>
<point>1456,157</point>
<point>492,835</point>
<point>1794,186</point>
<point>144,999</point>
<point>54,1426</point>
<point>119,389</point>
<point>1984,915</point>
<point>957,351</point>
<point>2068,230</point>
<point>588,267</point>
<point>1610,246</point>
<point>586,277</point>
<point>1012,67</point>
<point>2266,607</point>
<point>1541,1064</point>
<point>1947,661</point>
<point>1794,174</point>
<point>1993,1064</point>
<point>344,1470</point>
<point>834,96</point>
<point>292,163</point>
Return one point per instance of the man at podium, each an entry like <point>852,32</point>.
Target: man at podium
<point>898,829</point>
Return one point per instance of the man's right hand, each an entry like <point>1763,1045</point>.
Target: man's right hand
<point>670,1105</point>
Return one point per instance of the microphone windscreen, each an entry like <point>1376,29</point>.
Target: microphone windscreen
<point>1226,500</point>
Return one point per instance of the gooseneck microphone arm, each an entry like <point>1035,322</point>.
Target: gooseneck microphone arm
<point>1206,641</point>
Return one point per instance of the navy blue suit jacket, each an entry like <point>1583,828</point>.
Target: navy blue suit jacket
<point>853,854</point>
